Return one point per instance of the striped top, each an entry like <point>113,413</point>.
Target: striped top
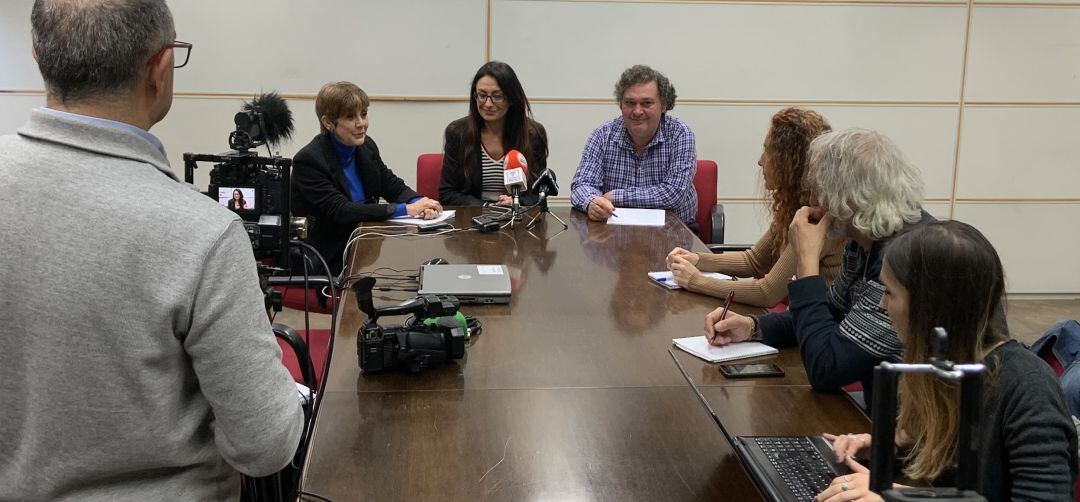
<point>491,186</point>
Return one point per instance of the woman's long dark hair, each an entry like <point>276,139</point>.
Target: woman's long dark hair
<point>954,279</point>
<point>234,203</point>
<point>517,127</point>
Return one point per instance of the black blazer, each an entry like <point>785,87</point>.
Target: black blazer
<point>455,191</point>
<point>320,192</point>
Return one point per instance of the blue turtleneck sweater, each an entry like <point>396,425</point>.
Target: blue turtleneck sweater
<point>347,156</point>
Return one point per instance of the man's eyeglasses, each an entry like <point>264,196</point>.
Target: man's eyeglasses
<point>181,53</point>
<point>496,99</point>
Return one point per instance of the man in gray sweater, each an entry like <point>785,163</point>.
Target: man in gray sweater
<point>136,359</point>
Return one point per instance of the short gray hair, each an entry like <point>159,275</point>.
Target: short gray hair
<point>641,74</point>
<point>88,49</point>
<point>863,178</point>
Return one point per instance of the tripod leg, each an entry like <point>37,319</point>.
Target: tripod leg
<point>553,215</point>
<point>534,220</point>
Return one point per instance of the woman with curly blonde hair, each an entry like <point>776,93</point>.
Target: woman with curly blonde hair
<point>769,264</point>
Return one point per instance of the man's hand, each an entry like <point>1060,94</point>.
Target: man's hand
<point>600,209</point>
<point>687,255</point>
<point>424,208</point>
<point>806,235</point>
<point>732,328</point>
<point>682,270</point>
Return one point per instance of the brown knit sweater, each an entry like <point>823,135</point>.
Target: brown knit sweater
<point>768,274</point>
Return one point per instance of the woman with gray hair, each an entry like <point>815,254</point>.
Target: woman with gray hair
<point>866,191</point>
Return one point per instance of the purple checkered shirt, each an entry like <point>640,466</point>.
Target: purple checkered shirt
<point>661,178</point>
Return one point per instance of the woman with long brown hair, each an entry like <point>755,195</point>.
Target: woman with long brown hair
<point>769,263</point>
<point>499,120</point>
<point>947,274</point>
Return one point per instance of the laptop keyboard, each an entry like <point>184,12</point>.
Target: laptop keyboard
<point>799,464</point>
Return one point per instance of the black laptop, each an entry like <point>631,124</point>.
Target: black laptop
<point>785,468</point>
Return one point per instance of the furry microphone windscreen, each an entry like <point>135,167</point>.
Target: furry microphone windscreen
<point>277,118</point>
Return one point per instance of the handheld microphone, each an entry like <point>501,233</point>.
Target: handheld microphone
<point>546,185</point>
<point>514,168</point>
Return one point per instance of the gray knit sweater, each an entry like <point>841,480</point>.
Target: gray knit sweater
<point>136,359</point>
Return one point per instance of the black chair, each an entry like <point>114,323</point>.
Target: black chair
<point>284,484</point>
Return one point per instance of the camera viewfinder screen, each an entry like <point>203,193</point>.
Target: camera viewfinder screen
<point>237,198</point>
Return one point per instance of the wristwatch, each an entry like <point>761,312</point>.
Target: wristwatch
<point>755,331</point>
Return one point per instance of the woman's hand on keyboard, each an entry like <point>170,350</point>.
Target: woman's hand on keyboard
<point>849,445</point>
<point>854,486</point>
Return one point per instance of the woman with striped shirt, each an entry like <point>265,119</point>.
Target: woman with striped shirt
<point>499,120</point>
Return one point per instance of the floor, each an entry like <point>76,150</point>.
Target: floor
<point>1028,319</point>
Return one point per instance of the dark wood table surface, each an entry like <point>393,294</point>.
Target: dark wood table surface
<point>568,394</point>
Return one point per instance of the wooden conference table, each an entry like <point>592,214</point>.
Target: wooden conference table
<point>568,394</point>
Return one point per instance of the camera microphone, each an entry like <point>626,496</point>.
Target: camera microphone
<point>264,120</point>
<point>546,185</point>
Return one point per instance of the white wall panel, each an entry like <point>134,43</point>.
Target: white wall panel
<point>405,47</point>
<point>1037,243</point>
<point>17,110</point>
<point>1024,54</point>
<point>1019,152</point>
<point>939,210</point>
<point>733,136</point>
<point>735,51</point>
<point>745,222</point>
<point>17,67</point>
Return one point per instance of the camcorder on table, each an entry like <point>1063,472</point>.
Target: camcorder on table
<point>435,333</point>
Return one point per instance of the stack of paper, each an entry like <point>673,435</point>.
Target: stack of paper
<point>667,279</point>
<point>422,223</point>
<point>699,346</point>
<point>637,217</point>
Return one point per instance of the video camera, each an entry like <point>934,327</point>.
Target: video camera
<point>256,188</point>
<point>434,334</point>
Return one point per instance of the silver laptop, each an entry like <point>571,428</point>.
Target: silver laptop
<point>469,283</point>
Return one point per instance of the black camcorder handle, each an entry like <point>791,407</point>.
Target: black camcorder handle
<point>363,289</point>
<point>422,306</point>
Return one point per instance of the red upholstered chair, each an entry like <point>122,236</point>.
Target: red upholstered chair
<point>705,185</point>
<point>428,174</point>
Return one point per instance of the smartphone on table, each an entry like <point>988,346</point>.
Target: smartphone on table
<point>751,370</point>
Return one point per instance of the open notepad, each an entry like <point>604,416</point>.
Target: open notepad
<point>422,223</point>
<point>667,280</point>
<point>699,346</point>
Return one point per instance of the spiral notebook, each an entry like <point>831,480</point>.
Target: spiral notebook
<point>699,346</point>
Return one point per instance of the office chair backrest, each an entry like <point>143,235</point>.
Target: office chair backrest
<point>428,174</point>
<point>705,185</point>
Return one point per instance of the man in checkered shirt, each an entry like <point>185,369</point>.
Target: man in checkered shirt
<point>644,158</point>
